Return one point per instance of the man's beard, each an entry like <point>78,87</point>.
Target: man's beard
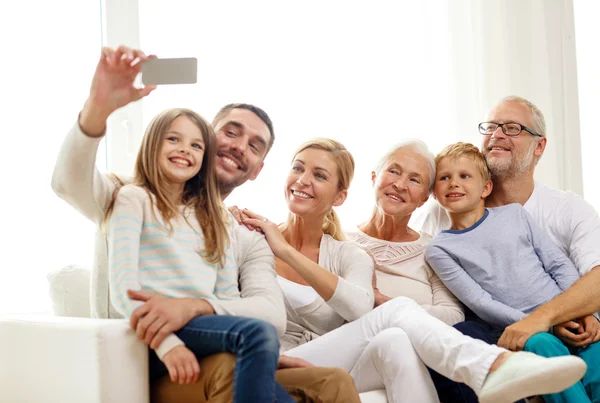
<point>511,168</point>
<point>225,188</point>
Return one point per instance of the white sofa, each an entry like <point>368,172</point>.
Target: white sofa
<point>70,357</point>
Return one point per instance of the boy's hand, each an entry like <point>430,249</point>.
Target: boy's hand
<point>182,365</point>
<point>591,325</point>
<point>572,333</point>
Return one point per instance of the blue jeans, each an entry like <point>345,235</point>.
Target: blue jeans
<point>255,345</point>
<point>454,392</point>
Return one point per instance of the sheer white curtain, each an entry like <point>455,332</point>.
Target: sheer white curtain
<point>588,74</point>
<point>526,48</point>
<point>366,74</point>
<point>49,52</point>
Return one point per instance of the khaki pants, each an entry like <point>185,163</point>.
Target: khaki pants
<point>319,385</point>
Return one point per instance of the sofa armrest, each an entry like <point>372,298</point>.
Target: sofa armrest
<point>61,359</point>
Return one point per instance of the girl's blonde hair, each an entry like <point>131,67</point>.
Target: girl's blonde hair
<point>345,172</point>
<point>200,192</point>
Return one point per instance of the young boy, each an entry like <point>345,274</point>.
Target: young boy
<point>499,263</point>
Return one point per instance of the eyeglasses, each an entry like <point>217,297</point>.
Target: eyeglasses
<point>510,129</point>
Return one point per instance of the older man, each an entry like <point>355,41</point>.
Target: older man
<point>244,136</point>
<point>514,139</point>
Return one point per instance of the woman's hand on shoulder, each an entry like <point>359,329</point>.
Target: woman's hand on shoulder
<point>274,236</point>
<point>240,215</point>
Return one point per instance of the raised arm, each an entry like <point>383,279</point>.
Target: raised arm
<point>124,230</point>
<point>468,291</point>
<point>75,178</point>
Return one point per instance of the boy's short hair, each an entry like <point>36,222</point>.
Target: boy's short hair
<point>468,150</point>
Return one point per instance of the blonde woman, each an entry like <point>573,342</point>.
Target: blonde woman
<point>327,282</point>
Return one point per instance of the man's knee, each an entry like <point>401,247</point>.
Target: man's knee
<point>318,384</point>
<point>215,383</point>
<point>541,343</point>
<point>340,385</point>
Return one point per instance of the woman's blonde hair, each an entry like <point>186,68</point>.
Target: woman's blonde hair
<point>345,172</point>
<point>200,192</point>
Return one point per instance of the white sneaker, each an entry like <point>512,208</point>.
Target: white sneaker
<point>527,374</point>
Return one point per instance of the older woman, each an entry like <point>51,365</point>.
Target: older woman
<point>326,282</point>
<point>402,181</point>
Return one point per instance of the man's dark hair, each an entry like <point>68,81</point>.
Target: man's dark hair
<point>262,115</point>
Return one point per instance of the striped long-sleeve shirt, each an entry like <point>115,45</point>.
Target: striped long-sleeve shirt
<point>145,255</point>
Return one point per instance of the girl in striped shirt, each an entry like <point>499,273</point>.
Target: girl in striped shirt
<point>168,233</point>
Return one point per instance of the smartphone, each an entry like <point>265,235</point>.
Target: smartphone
<point>170,71</point>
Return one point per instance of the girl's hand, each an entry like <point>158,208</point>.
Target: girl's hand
<point>182,365</point>
<point>112,86</point>
<point>274,237</point>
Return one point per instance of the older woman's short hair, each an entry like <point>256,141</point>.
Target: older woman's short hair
<point>418,147</point>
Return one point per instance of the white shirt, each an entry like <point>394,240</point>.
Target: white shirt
<point>298,295</point>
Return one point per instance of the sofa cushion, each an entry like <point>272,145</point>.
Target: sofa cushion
<point>70,291</point>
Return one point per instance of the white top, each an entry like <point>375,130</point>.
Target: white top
<point>77,181</point>
<point>572,223</point>
<point>297,295</point>
<point>352,298</point>
<point>401,270</point>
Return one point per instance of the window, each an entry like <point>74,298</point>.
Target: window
<point>587,33</point>
<point>49,56</point>
<point>366,76</point>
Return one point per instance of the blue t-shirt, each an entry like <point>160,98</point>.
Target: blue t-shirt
<point>503,267</point>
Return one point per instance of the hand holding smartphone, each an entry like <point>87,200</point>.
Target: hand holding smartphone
<point>170,71</point>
